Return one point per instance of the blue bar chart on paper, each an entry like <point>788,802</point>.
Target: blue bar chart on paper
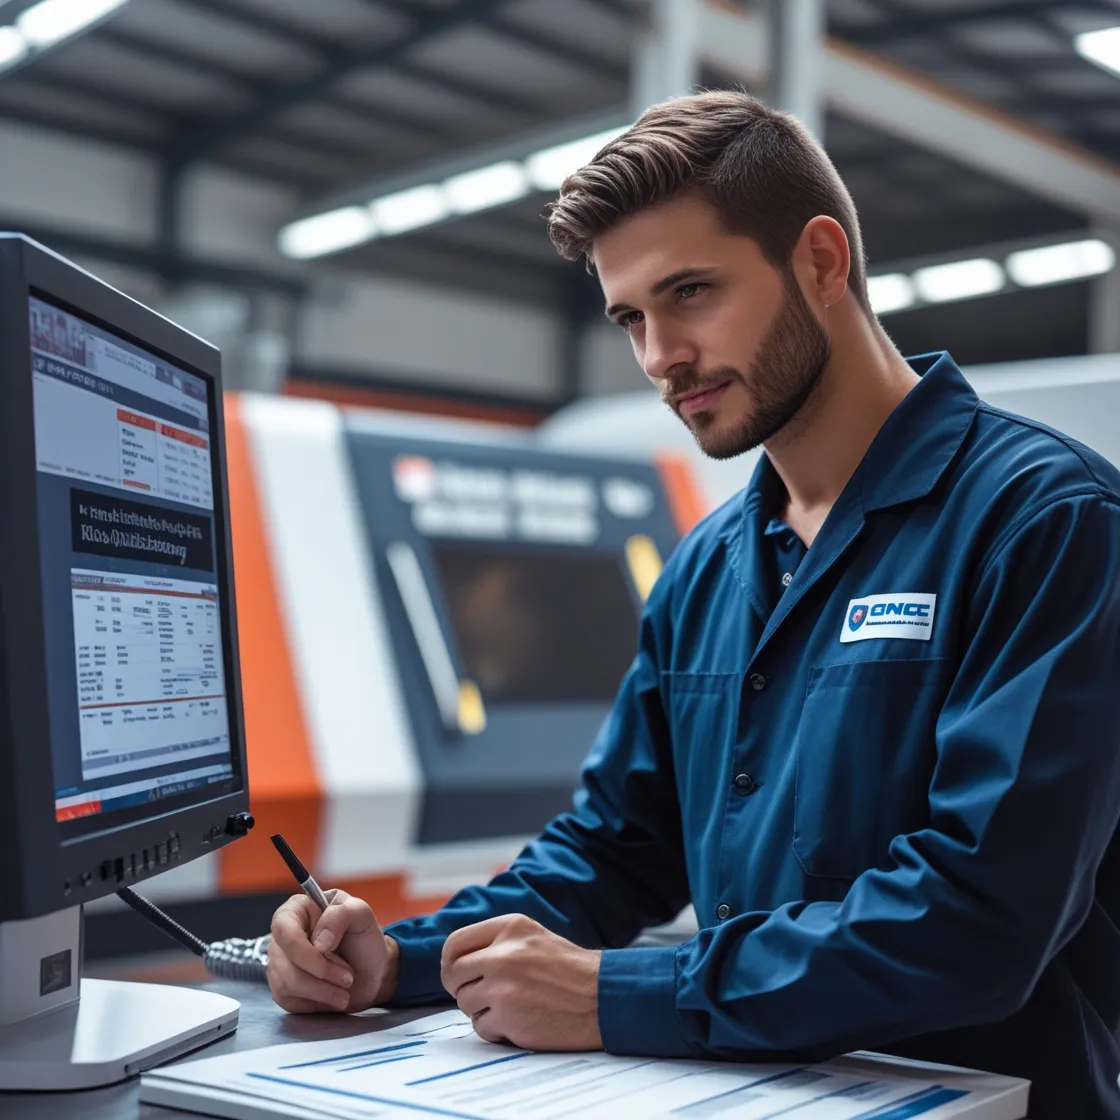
<point>438,1066</point>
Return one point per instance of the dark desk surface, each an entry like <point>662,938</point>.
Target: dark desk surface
<point>262,1023</point>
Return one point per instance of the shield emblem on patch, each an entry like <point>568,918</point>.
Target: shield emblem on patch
<point>856,616</point>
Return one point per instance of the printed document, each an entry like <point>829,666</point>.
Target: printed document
<point>438,1067</point>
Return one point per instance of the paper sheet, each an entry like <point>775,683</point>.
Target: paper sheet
<point>438,1067</point>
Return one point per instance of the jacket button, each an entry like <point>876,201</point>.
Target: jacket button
<point>758,682</point>
<point>745,784</point>
<point>723,912</point>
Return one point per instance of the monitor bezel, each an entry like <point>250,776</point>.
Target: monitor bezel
<point>44,870</point>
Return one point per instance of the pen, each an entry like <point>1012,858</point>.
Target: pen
<point>303,876</point>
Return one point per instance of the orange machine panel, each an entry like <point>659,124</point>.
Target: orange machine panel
<point>685,498</point>
<point>285,791</point>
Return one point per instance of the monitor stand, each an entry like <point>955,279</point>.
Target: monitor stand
<point>58,1031</point>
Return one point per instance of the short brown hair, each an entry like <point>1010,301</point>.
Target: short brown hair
<point>759,168</point>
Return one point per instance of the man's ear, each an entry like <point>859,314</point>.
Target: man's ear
<point>822,260</point>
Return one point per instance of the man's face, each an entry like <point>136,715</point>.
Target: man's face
<point>728,339</point>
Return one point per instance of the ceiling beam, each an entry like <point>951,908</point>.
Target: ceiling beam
<point>162,51</point>
<point>619,8</point>
<point>305,144</point>
<point>875,38</point>
<point>573,55</point>
<point>486,96</point>
<point>515,147</point>
<point>78,130</point>
<point>928,114</point>
<point>1102,139</point>
<point>983,62</point>
<point>221,71</point>
<point>325,48</point>
<point>120,137</point>
<point>863,87</point>
<point>77,86</point>
<point>149,258</point>
<point>196,143</point>
<point>905,24</point>
<point>1028,99</point>
<point>275,27</point>
<point>114,99</point>
<point>535,40</point>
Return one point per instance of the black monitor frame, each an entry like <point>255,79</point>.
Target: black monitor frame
<point>42,871</point>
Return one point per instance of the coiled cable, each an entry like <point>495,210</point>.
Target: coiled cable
<point>235,958</point>
<point>238,958</point>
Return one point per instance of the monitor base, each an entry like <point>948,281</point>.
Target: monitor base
<point>115,1030</point>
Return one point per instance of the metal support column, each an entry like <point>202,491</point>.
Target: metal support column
<point>170,217</point>
<point>666,54</point>
<point>797,59</point>
<point>582,306</point>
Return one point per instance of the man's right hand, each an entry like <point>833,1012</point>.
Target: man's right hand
<point>330,960</point>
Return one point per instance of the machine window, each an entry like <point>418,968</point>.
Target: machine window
<point>536,625</point>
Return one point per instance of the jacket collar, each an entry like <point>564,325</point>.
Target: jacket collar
<point>910,452</point>
<point>906,459</point>
<point>921,437</point>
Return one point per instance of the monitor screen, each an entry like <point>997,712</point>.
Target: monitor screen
<point>132,609</point>
<point>538,625</point>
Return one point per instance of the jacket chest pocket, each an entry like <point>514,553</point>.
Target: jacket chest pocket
<point>865,752</point>
<point>702,710</point>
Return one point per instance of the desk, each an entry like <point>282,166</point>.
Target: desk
<point>262,1023</point>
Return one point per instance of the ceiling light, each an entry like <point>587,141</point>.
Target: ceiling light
<point>489,186</point>
<point>893,292</point>
<point>1058,264</point>
<point>1101,47</point>
<point>941,283</point>
<point>13,47</point>
<point>327,233</point>
<point>410,209</point>
<point>550,167</point>
<point>51,21</point>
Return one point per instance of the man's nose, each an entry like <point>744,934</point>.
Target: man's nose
<point>667,352</point>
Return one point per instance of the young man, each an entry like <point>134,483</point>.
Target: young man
<point>871,729</point>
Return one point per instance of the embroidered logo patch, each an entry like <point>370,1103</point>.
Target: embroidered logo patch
<point>902,614</point>
<point>857,616</point>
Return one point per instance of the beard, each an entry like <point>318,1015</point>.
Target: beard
<point>781,381</point>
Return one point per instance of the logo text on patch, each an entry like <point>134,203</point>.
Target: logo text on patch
<point>901,614</point>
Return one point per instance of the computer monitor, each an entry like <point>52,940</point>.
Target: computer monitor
<point>122,749</point>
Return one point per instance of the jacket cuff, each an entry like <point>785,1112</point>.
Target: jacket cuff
<point>418,978</point>
<point>638,1002</point>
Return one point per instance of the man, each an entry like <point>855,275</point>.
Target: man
<point>871,729</point>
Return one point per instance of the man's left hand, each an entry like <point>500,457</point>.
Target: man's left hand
<point>522,984</point>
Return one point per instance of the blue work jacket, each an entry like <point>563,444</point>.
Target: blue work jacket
<point>892,797</point>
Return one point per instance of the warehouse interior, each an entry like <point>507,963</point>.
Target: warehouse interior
<point>169,144</point>
<point>349,199</point>
<point>211,158</point>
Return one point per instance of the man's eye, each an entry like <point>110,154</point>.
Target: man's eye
<point>687,291</point>
<point>630,319</point>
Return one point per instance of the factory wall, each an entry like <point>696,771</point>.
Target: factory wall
<point>430,335</point>
<point>233,218</point>
<point>608,362</point>
<point>77,185</point>
<point>360,325</point>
